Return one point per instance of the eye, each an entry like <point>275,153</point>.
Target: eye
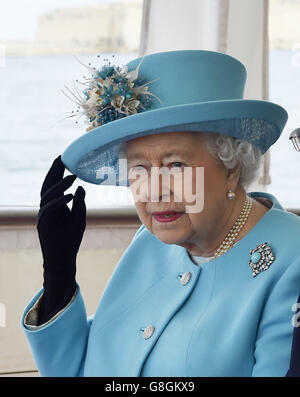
<point>177,164</point>
<point>137,166</point>
<point>137,169</point>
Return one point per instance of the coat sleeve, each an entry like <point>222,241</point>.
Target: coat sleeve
<point>31,317</point>
<point>59,347</point>
<point>275,331</point>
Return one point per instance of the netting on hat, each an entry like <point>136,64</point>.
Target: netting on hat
<point>101,166</point>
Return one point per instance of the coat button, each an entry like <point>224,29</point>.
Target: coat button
<point>148,331</point>
<point>185,278</point>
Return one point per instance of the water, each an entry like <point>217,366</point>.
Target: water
<point>34,128</point>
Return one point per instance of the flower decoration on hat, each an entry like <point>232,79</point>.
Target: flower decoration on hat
<point>111,93</point>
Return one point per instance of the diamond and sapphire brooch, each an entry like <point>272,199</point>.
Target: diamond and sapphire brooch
<point>261,258</point>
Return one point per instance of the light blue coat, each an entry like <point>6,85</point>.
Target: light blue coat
<point>223,322</point>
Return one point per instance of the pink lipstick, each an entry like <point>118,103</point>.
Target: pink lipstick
<point>167,216</point>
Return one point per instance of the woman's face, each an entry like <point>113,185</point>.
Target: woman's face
<point>206,182</point>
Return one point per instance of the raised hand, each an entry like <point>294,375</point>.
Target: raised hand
<point>60,229</point>
<point>60,233</point>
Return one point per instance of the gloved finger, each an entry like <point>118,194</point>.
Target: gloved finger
<point>55,174</point>
<point>53,205</point>
<point>79,207</point>
<point>57,189</point>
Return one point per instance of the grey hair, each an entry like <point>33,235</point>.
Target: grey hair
<point>228,151</point>
<point>232,152</point>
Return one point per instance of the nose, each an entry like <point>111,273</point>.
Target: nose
<point>156,184</point>
<point>159,185</point>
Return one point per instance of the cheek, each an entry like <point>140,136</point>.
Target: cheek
<point>142,213</point>
<point>141,208</point>
<point>197,219</point>
<point>214,181</point>
<point>139,187</point>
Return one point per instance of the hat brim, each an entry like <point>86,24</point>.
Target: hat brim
<point>256,121</point>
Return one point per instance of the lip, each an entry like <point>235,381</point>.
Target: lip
<point>166,213</point>
<point>158,216</point>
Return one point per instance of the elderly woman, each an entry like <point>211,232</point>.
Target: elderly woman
<point>207,285</point>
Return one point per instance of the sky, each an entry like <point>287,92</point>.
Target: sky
<point>18,18</point>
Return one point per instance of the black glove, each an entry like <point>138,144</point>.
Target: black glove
<point>60,233</point>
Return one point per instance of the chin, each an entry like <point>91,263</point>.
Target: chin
<point>169,236</point>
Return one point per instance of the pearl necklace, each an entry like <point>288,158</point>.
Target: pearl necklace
<point>229,240</point>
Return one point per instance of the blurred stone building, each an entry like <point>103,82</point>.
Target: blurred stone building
<point>87,29</point>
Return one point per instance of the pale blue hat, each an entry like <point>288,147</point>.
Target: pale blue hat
<point>193,90</point>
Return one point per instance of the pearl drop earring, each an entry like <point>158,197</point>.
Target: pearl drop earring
<point>230,194</point>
